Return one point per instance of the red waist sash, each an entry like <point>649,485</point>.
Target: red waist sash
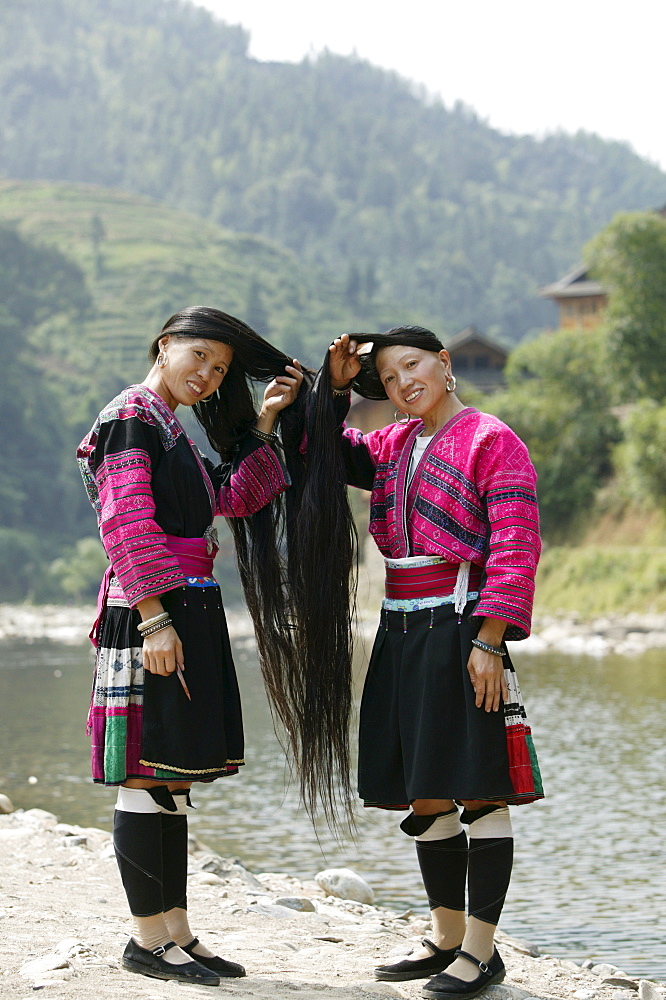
<point>438,580</point>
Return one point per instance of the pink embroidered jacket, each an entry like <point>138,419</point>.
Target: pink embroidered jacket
<point>472,498</point>
<point>146,479</point>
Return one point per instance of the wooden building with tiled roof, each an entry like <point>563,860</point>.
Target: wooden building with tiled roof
<point>581,300</point>
<point>477,359</point>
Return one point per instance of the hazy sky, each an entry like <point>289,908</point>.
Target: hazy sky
<point>524,65</point>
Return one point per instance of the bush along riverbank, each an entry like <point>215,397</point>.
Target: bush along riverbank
<point>65,926</point>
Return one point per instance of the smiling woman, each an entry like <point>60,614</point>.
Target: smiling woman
<point>165,709</point>
<point>453,511</point>
<point>196,369</point>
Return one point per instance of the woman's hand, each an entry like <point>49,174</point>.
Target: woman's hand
<point>163,652</point>
<point>343,361</point>
<point>281,392</point>
<point>487,674</point>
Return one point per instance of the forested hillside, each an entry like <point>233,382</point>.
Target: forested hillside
<point>143,261</point>
<point>88,276</point>
<point>389,196</point>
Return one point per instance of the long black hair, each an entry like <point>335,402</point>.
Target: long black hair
<point>327,531</point>
<point>302,618</point>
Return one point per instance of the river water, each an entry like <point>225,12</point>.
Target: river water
<point>589,877</point>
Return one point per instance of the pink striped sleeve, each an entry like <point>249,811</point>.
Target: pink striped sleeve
<point>257,479</point>
<point>134,543</point>
<point>507,481</point>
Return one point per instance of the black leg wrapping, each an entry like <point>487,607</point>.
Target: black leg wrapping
<point>490,864</point>
<point>137,838</point>
<point>414,825</point>
<point>174,860</point>
<point>443,866</point>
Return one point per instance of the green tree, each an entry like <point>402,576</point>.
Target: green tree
<point>78,571</point>
<point>256,314</point>
<point>97,237</point>
<point>35,283</point>
<point>370,282</point>
<point>559,398</point>
<point>629,258</point>
<point>642,454</point>
<point>353,284</point>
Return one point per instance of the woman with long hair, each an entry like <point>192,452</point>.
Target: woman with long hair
<point>165,709</point>
<point>442,723</point>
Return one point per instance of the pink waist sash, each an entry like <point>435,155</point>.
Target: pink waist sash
<point>192,555</point>
<point>193,558</point>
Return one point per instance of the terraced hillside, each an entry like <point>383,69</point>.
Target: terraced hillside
<point>144,261</point>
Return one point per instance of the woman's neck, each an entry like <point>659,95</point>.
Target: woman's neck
<point>436,418</point>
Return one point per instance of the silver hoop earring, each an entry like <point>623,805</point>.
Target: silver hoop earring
<point>161,359</point>
<point>398,414</point>
<point>451,383</point>
<point>209,399</point>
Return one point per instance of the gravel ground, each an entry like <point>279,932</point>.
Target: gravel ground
<point>65,926</point>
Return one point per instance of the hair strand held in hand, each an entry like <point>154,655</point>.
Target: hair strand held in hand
<point>302,622</point>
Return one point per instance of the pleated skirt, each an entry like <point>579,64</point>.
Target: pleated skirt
<point>143,725</point>
<point>421,734</point>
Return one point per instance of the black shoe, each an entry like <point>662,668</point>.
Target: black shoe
<point>451,988</point>
<point>227,970</point>
<point>420,968</point>
<point>152,963</point>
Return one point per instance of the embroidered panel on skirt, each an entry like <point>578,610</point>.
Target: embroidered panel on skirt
<point>208,731</point>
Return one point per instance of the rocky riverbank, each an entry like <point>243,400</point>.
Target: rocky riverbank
<point>61,623</point>
<point>628,636</point>
<point>65,926</point>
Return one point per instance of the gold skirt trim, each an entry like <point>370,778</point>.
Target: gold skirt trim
<point>185,770</point>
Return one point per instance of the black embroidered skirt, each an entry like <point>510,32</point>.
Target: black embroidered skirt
<point>421,735</point>
<point>143,725</point>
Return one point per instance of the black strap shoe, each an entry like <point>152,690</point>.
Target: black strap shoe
<point>419,968</point>
<point>223,968</point>
<point>447,987</point>
<point>152,963</point>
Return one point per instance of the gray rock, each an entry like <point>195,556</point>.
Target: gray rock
<point>47,963</point>
<point>648,991</point>
<point>269,910</point>
<point>39,818</point>
<point>73,841</point>
<point>227,868</point>
<point>382,989</point>
<point>301,903</point>
<point>603,970</point>
<point>502,991</point>
<point>6,804</point>
<point>206,878</point>
<point>69,947</point>
<point>587,964</point>
<point>524,947</point>
<point>57,975</point>
<point>623,981</point>
<point>345,884</point>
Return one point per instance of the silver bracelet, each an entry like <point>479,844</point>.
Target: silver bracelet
<point>263,436</point>
<point>487,648</point>
<point>156,628</point>
<point>344,390</point>
<point>142,626</point>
